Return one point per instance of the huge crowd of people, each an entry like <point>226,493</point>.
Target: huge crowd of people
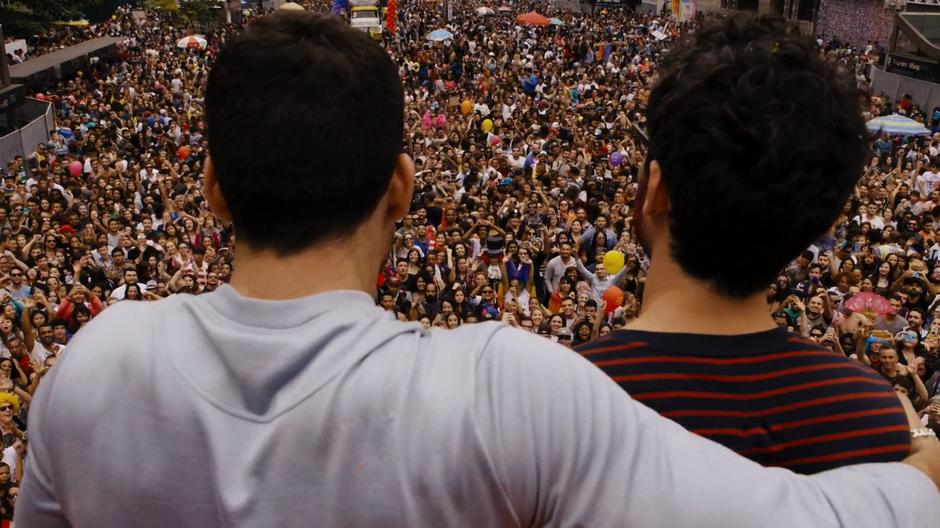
<point>528,142</point>
<point>63,34</point>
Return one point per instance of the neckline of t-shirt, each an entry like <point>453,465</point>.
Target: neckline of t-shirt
<point>764,342</point>
<point>286,313</point>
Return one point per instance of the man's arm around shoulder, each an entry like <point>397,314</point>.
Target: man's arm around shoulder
<point>571,447</point>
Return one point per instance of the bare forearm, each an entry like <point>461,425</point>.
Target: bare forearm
<point>921,390</point>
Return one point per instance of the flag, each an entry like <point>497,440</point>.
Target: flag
<point>390,15</point>
<point>338,7</point>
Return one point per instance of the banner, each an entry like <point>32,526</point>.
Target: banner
<point>684,9</point>
<point>687,9</point>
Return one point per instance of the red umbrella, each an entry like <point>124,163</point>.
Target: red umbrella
<point>532,19</point>
<point>869,304</point>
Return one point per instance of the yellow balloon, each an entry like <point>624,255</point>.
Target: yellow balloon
<point>466,107</point>
<point>613,261</point>
<point>487,125</point>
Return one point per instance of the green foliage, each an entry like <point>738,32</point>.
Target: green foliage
<point>161,5</point>
<point>197,10</point>
<point>22,18</point>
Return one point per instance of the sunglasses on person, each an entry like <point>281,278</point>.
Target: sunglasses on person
<point>5,407</point>
<point>488,290</point>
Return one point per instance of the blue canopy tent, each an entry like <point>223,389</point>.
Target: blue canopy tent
<point>897,125</point>
<point>440,35</point>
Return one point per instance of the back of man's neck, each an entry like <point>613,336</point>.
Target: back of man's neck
<point>673,302</point>
<point>266,275</point>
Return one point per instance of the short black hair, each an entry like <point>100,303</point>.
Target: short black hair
<point>305,123</point>
<point>756,134</point>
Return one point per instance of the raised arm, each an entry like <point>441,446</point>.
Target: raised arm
<point>471,230</point>
<point>920,396</point>
<point>504,274</point>
<point>618,276</point>
<point>584,271</point>
<point>599,319</point>
<point>804,320</point>
<point>24,254</point>
<point>496,228</point>
<point>19,263</point>
<point>827,305</point>
<point>29,339</point>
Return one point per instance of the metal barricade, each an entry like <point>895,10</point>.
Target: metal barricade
<point>39,118</point>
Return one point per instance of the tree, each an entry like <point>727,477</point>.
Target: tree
<point>169,6</point>
<point>24,18</point>
<point>191,12</point>
<point>198,12</point>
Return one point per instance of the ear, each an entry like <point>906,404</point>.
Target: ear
<point>656,200</point>
<point>401,188</point>
<point>213,193</point>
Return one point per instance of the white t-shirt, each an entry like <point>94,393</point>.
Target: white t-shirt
<point>39,353</point>
<point>326,410</point>
<point>9,458</point>
<point>926,182</point>
<point>876,221</point>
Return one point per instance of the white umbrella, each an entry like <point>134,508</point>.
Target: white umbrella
<point>292,6</point>
<point>440,35</point>
<point>483,11</point>
<point>192,42</point>
<point>504,9</point>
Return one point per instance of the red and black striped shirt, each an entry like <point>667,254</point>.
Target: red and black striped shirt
<point>773,397</point>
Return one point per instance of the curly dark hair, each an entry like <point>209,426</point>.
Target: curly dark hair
<point>760,142</point>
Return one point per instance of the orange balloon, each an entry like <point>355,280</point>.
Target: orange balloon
<point>466,107</point>
<point>614,298</point>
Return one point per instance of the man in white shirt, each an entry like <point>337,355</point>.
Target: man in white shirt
<point>868,213</point>
<point>130,277</point>
<point>289,398</point>
<point>557,266</point>
<point>927,181</point>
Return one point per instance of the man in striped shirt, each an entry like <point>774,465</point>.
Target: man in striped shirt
<point>755,144</point>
